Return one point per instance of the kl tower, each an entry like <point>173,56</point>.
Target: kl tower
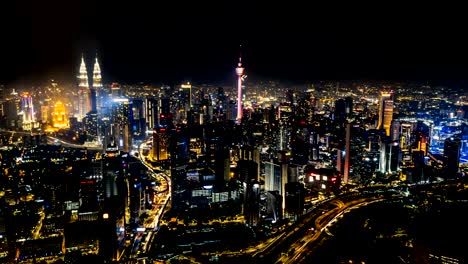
<point>240,76</point>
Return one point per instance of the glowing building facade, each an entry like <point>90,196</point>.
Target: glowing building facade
<point>385,112</point>
<point>59,116</point>
<point>97,85</point>
<point>240,76</point>
<point>84,103</point>
<point>27,109</point>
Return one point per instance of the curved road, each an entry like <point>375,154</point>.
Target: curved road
<point>312,240</point>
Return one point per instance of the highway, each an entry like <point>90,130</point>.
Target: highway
<point>312,239</point>
<point>53,140</point>
<point>304,233</point>
<point>141,243</point>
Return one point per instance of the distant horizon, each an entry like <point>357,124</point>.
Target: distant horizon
<point>27,84</point>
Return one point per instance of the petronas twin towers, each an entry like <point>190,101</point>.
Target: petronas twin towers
<point>87,94</point>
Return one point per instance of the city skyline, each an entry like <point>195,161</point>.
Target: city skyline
<point>199,42</point>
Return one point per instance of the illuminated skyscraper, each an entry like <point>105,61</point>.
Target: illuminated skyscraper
<point>240,77</point>
<point>151,113</point>
<point>160,144</point>
<point>84,103</point>
<point>97,84</point>
<point>122,118</point>
<point>385,111</point>
<point>27,109</point>
<point>347,153</point>
<point>59,117</point>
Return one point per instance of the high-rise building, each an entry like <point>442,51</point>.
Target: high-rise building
<point>151,113</point>
<point>84,103</point>
<point>452,147</point>
<point>160,144</point>
<point>59,116</point>
<point>347,153</point>
<point>27,108</point>
<point>121,120</point>
<point>178,149</point>
<point>139,124</point>
<point>385,111</point>
<point>97,85</point>
<point>90,124</point>
<point>273,178</point>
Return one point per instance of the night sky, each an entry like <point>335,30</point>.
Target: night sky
<point>199,41</point>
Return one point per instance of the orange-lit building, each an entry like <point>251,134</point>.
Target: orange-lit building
<point>385,111</point>
<point>59,116</point>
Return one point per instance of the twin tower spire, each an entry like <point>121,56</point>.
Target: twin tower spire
<point>87,94</point>
<point>83,74</point>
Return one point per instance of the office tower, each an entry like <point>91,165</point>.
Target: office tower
<point>90,125</point>
<point>283,157</point>
<point>139,124</point>
<point>452,147</point>
<point>221,104</point>
<point>383,154</point>
<point>252,203</point>
<point>314,140</point>
<point>151,113</point>
<point>247,172</point>
<point>385,112</point>
<point>160,144</point>
<point>186,95</point>
<point>178,149</point>
<point>395,130</point>
<point>231,111</point>
<point>97,85</point>
<point>240,76</point>
<point>393,156</point>
<point>27,108</point>
<point>84,104</point>
<point>273,180</point>
<point>165,115</point>
<point>216,153</point>
<point>347,153</point>
<point>121,121</point>
<point>300,150</point>
<point>59,116</point>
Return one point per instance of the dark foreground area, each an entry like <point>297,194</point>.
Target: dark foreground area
<point>398,232</point>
